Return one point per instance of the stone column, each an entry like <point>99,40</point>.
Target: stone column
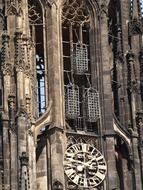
<point>19,66</point>
<point>56,87</point>
<point>13,143</point>
<point>56,146</point>
<point>6,151</point>
<point>41,173</point>
<point>131,96</point>
<point>1,153</point>
<point>7,70</point>
<point>139,121</point>
<point>107,108</point>
<point>32,161</point>
<point>22,126</point>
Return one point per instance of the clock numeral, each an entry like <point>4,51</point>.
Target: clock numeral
<point>85,182</point>
<point>76,148</point>
<point>92,182</point>
<point>70,172</point>
<point>100,176</point>
<point>69,154</point>
<point>84,147</point>
<point>67,165</point>
<point>81,182</point>
<point>102,167</point>
<point>76,179</point>
<point>99,157</point>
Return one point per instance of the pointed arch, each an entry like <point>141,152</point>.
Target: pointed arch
<point>80,38</point>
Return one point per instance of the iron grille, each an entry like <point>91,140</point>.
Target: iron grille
<point>80,59</point>
<point>92,105</point>
<point>72,105</point>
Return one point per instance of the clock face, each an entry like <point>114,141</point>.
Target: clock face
<point>84,165</point>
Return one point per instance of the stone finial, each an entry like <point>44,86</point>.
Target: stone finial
<point>57,185</point>
<point>130,56</point>
<point>7,68</point>
<point>24,159</point>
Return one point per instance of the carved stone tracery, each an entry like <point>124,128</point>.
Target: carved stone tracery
<point>6,66</point>
<point>84,139</point>
<point>12,8</point>
<point>19,52</point>
<point>135,27</point>
<point>74,12</point>
<point>34,12</point>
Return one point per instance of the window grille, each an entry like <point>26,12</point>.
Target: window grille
<point>92,105</point>
<point>80,59</point>
<point>72,107</point>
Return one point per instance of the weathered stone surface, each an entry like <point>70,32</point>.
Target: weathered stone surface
<point>34,128</point>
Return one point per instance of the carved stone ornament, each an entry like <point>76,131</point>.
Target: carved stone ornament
<point>2,20</point>
<point>11,105</point>
<point>34,12</point>
<point>103,8</point>
<point>28,103</point>
<point>75,12</point>
<point>139,121</point>
<point>22,111</point>
<point>135,27</point>
<point>7,68</point>
<point>19,52</point>
<point>24,159</point>
<point>27,70</point>
<point>5,56</point>
<point>57,186</point>
<point>12,9</point>
<point>50,2</point>
<point>11,100</point>
<point>19,66</point>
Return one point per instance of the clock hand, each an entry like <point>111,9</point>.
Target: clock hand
<point>77,161</point>
<point>91,160</point>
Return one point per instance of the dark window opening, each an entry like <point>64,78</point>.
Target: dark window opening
<point>81,99</point>
<point>36,26</point>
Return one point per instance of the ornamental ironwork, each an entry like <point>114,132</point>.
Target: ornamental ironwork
<point>92,105</point>
<point>72,105</point>
<point>80,59</point>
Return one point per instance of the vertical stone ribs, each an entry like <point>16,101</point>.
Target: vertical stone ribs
<point>24,172</point>
<point>6,65</point>
<point>130,60</point>
<point>141,73</point>
<point>11,104</point>
<point>19,52</point>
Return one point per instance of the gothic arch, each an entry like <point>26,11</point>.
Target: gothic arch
<point>81,19</point>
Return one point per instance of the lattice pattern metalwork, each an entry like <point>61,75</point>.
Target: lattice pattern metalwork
<point>80,59</point>
<point>92,105</point>
<point>72,105</point>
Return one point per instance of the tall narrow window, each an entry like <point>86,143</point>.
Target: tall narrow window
<point>81,99</point>
<point>37,34</point>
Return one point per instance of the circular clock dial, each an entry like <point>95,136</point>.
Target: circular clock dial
<point>84,165</point>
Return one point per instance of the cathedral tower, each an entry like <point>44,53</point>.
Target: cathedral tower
<point>71,95</point>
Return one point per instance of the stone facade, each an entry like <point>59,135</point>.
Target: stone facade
<point>71,73</point>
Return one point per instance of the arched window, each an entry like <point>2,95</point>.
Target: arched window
<point>81,99</point>
<point>37,34</point>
